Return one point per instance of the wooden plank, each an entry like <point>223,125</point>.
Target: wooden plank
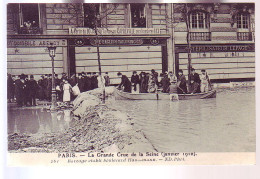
<point>219,65</point>
<point>33,57</point>
<point>36,64</point>
<point>219,60</point>
<point>225,71</point>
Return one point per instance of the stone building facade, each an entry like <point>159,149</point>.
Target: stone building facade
<point>132,37</point>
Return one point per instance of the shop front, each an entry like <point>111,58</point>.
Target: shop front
<point>123,54</point>
<point>31,56</point>
<point>223,62</point>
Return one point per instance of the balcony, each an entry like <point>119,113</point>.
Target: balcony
<point>32,30</point>
<point>200,36</point>
<point>244,36</point>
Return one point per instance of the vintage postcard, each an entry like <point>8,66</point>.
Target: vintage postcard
<point>131,84</point>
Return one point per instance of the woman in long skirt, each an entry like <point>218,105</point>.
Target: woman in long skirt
<point>66,91</point>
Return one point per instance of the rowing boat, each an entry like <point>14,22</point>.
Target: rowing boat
<point>120,95</point>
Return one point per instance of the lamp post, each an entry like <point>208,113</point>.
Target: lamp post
<point>52,51</point>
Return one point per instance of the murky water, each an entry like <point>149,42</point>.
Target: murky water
<point>37,121</point>
<point>224,124</point>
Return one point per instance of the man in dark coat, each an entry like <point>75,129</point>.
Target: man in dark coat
<point>19,90</point>
<point>33,88</point>
<point>26,91</point>
<point>94,81</point>
<point>10,88</point>
<point>80,82</point>
<point>143,83</point>
<point>107,79</point>
<point>87,82</point>
<point>125,83</point>
<point>45,85</point>
<point>49,87</point>
<point>135,80</point>
<point>40,88</point>
<point>57,87</point>
<point>165,83</point>
<point>181,83</point>
<point>194,82</point>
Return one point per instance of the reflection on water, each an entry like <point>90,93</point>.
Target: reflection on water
<point>224,124</point>
<point>37,121</point>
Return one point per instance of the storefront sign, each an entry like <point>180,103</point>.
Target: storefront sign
<point>222,48</point>
<point>115,31</point>
<point>116,42</point>
<point>217,48</point>
<point>36,42</point>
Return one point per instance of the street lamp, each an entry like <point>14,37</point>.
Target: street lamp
<point>52,51</point>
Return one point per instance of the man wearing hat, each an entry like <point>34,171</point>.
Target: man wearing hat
<point>181,83</point>
<point>19,90</point>
<point>80,82</point>
<point>87,82</point>
<point>49,87</point>
<point>26,91</point>
<point>94,81</point>
<point>194,82</point>
<point>33,88</point>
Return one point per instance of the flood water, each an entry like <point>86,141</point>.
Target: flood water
<point>37,121</point>
<point>224,124</point>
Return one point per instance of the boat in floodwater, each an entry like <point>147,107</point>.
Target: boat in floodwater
<point>120,95</point>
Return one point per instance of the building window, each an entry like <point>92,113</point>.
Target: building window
<point>92,15</point>
<point>29,19</point>
<point>138,15</point>
<point>243,21</point>
<point>198,20</point>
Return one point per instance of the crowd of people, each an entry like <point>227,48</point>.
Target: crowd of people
<point>24,89</point>
<point>165,82</point>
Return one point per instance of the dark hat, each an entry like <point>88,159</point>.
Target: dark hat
<point>203,70</point>
<point>119,73</point>
<point>152,70</point>
<point>181,71</point>
<point>56,74</point>
<point>49,75</point>
<point>31,76</point>
<point>134,72</point>
<point>26,76</point>
<point>80,74</point>
<point>83,73</point>
<point>192,69</point>
<point>94,73</point>
<point>22,76</point>
<point>106,72</point>
<point>46,75</point>
<point>89,73</point>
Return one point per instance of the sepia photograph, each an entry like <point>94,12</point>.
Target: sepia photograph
<point>113,79</point>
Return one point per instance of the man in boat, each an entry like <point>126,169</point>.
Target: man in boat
<point>165,83</point>
<point>135,82</point>
<point>181,83</point>
<point>194,82</point>
<point>143,83</point>
<point>125,83</point>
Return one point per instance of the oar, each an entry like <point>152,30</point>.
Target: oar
<point>181,90</point>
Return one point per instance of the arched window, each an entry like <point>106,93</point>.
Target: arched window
<point>199,20</point>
